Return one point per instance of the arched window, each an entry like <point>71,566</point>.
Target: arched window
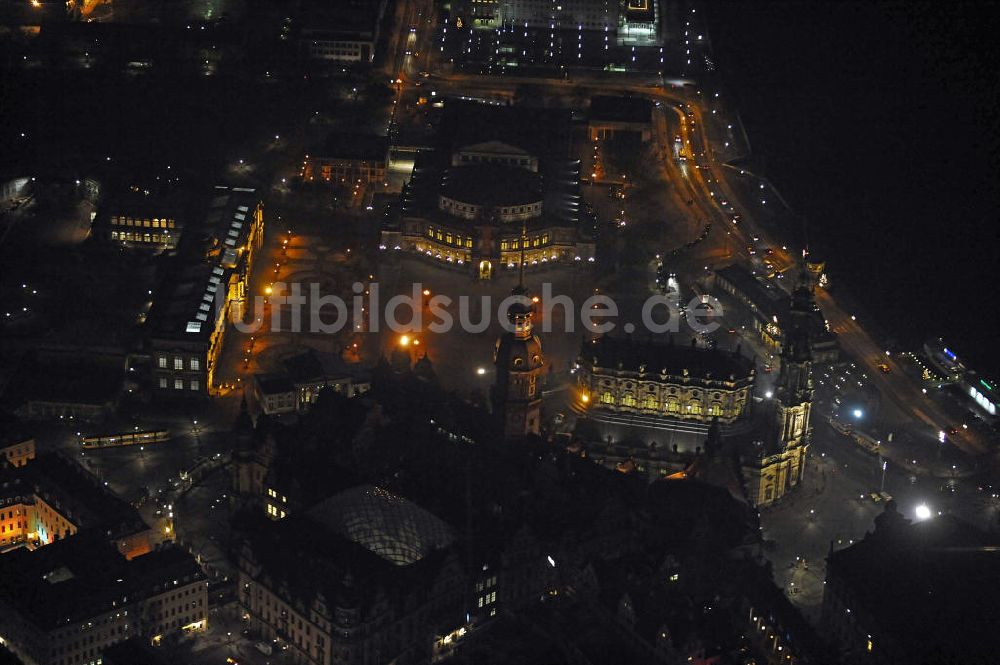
<point>649,402</point>
<point>694,408</point>
<point>607,398</point>
<point>628,399</point>
<point>672,405</point>
<point>715,409</point>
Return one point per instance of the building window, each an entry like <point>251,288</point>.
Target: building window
<point>195,384</point>
<point>607,398</point>
<point>163,362</point>
<point>715,410</point>
<point>672,406</point>
<point>163,382</point>
<point>195,364</point>
<point>628,399</point>
<point>178,384</point>
<point>649,402</point>
<point>178,363</point>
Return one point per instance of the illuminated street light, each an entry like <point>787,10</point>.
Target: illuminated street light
<point>923,512</point>
<point>769,394</point>
<point>858,413</point>
<point>404,340</point>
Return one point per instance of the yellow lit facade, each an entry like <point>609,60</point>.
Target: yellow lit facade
<point>620,376</point>
<point>145,231</point>
<point>17,453</point>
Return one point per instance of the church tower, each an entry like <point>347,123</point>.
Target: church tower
<point>794,391</point>
<point>517,396</point>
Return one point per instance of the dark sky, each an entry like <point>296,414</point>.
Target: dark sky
<point>879,122</point>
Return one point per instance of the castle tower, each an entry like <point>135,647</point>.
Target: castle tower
<point>517,396</point>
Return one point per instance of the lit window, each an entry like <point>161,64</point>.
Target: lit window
<point>178,384</point>
<point>195,363</point>
<point>163,382</point>
<point>163,362</point>
<point>195,384</point>
<point>178,363</point>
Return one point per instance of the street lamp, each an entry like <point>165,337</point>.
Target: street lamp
<point>923,512</point>
<point>858,413</point>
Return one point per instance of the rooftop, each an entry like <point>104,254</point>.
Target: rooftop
<point>910,575</point>
<point>770,300</point>
<point>184,306</point>
<point>556,184</point>
<point>59,377</point>
<point>539,131</point>
<point>492,185</point>
<point>345,145</point>
<point>76,493</point>
<point>272,384</point>
<point>607,108</point>
<point>658,358</point>
<point>392,527</point>
<point>82,576</point>
<point>350,18</point>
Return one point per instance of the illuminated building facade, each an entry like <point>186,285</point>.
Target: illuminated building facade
<point>51,499</point>
<point>297,388</point>
<point>145,231</point>
<point>495,171</point>
<point>347,159</point>
<point>142,218</point>
<point>66,603</point>
<point>619,375</point>
<point>192,310</point>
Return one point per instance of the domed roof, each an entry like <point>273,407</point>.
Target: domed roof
<point>518,354</point>
<point>492,185</point>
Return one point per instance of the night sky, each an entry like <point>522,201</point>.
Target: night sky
<point>878,122</point>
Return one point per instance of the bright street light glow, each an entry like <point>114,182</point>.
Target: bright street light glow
<point>923,512</point>
<point>858,413</point>
<point>481,371</point>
